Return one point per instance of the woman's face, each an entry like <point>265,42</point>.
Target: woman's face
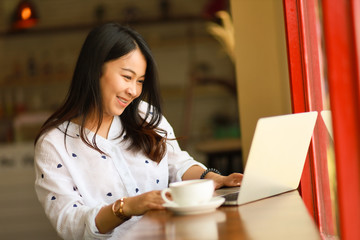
<point>122,81</point>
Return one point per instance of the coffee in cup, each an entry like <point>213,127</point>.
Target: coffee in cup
<point>189,192</point>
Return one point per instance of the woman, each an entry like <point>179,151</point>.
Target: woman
<point>103,157</point>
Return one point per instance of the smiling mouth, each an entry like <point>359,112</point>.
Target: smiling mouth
<point>122,100</point>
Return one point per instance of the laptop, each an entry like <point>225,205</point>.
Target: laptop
<point>326,117</point>
<point>276,158</point>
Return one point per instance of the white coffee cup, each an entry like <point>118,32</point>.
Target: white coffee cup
<point>189,192</point>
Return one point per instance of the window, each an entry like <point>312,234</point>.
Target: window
<point>324,75</point>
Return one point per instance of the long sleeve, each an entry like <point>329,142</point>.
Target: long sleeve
<point>59,195</point>
<point>179,161</point>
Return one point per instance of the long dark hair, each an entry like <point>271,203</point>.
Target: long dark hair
<point>105,43</point>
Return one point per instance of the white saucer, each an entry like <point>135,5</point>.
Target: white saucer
<point>210,206</point>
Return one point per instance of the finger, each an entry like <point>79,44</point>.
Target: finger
<point>156,206</point>
<point>160,201</point>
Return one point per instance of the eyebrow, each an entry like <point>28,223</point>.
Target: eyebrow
<point>129,70</point>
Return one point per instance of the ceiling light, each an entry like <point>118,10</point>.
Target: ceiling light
<point>24,16</point>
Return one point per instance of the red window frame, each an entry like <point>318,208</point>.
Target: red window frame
<point>304,58</point>
<point>342,43</point>
<point>342,39</point>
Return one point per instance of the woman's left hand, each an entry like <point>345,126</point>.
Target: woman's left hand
<point>232,180</point>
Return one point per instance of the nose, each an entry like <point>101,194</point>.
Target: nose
<point>131,89</point>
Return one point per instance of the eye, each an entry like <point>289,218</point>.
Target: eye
<point>141,81</point>
<point>127,77</point>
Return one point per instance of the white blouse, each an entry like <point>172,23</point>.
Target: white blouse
<point>74,181</point>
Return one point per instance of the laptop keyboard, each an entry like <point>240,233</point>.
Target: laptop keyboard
<point>231,196</point>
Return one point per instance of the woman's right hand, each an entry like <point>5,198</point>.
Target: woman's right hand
<point>138,205</point>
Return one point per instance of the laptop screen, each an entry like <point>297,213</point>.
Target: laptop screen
<point>277,155</point>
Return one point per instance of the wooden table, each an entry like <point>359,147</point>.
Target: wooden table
<point>280,217</point>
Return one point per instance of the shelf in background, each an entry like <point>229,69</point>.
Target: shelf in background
<point>87,26</point>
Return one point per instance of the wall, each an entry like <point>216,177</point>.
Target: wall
<point>261,63</point>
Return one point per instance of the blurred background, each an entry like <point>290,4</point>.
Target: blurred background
<point>197,77</point>
<point>39,44</point>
